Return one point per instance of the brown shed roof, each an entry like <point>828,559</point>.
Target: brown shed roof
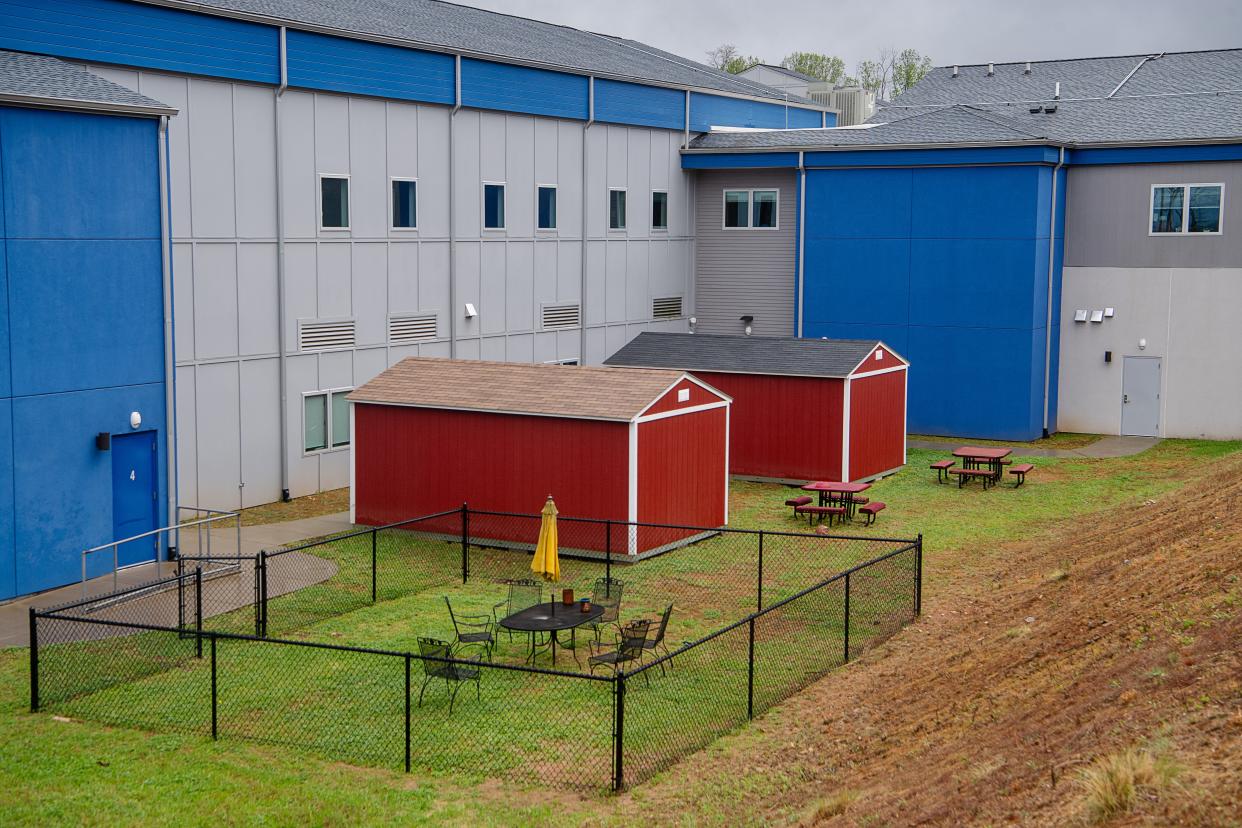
<point>519,388</point>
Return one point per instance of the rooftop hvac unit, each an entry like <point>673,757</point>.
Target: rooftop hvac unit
<point>854,104</point>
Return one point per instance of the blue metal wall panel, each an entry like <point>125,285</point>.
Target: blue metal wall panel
<point>978,203</point>
<point>739,161</point>
<point>932,157</point>
<point>805,118</point>
<point>8,561</point>
<point>707,111</point>
<point>830,119</point>
<point>487,85</point>
<point>1058,254</point>
<point>632,103</point>
<point>992,283</point>
<point>133,34</point>
<point>857,281</point>
<point>353,66</point>
<point>871,204</point>
<point>1157,155</point>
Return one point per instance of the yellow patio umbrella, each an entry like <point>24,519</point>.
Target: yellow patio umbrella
<point>546,562</point>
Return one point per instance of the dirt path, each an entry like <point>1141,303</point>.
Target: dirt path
<point>1117,631</point>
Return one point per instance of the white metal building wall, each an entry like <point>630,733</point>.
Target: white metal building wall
<point>223,157</point>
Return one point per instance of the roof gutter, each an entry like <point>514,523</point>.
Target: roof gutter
<point>281,320</point>
<point>82,105</point>
<point>1052,248</point>
<point>871,147</point>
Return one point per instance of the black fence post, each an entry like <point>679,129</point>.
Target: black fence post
<point>373,564</point>
<point>263,593</point>
<point>847,616</point>
<point>618,736</point>
<point>608,552</point>
<point>198,611</point>
<point>407,712</point>
<point>465,543</point>
<point>34,661</point>
<point>918,576</point>
<point>759,590</point>
<point>180,594</point>
<point>214,705</point>
<point>750,673</point>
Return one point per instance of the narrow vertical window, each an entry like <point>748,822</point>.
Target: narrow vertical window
<point>737,208</point>
<point>315,422</point>
<point>764,209</point>
<point>494,206</point>
<point>334,202</point>
<point>547,208</point>
<point>340,419</point>
<point>616,209</point>
<point>404,204</point>
<point>659,210</point>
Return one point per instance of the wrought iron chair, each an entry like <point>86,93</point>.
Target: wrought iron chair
<point>523,594</point>
<point>472,629</point>
<point>454,674</point>
<point>654,641</point>
<point>628,649</point>
<point>606,594</point>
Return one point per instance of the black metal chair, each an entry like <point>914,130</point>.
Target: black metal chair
<point>654,642</point>
<point>628,649</point>
<point>523,594</point>
<point>478,629</point>
<point>453,674</point>
<point>606,594</point>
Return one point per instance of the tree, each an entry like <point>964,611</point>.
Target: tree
<point>828,68</point>
<point>727,58</point>
<point>908,69</point>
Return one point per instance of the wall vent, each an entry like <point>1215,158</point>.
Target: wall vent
<point>668,307</point>
<point>403,330</point>
<point>324,336</point>
<point>560,316</point>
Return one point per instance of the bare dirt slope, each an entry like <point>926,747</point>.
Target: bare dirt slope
<point>1121,630</point>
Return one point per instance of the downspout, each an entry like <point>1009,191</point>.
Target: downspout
<point>1052,250</point>
<point>582,276</point>
<point>452,234</point>
<point>801,238</point>
<point>280,283</point>
<point>170,355</point>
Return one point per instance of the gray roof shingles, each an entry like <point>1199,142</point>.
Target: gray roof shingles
<point>453,27</point>
<point>48,79</point>
<point>744,354</point>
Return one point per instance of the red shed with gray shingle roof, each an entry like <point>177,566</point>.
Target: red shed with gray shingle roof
<point>645,446</point>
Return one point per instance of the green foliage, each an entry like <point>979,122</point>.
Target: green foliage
<point>727,58</point>
<point>908,69</point>
<point>828,68</point>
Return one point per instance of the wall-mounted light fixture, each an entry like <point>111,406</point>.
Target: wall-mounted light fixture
<point>749,322</point>
<point>694,320</point>
<point>1142,344</point>
<point>135,419</point>
<point>1080,316</point>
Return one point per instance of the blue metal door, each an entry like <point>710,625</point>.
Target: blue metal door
<point>135,496</point>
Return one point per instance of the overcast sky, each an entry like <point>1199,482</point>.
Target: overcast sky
<point>949,31</point>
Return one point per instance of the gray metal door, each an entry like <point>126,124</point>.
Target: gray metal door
<point>1140,396</point>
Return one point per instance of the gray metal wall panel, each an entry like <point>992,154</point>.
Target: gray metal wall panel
<point>183,295</point>
<point>260,431</point>
<point>433,282</point>
<point>520,175</point>
<point>297,158</point>
<point>433,171</point>
<point>255,158</point>
<point>569,178</point>
<point>212,194</point>
<point>370,293</point>
<point>519,286</point>
<point>467,200</point>
<point>257,301</point>
<point>739,272</point>
<point>368,167</point>
<point>301,291</point>
<point>492,287</point>
<point>335,283</point>
<point>403,277</point>
<point>187,436</point>
<point>331,134</point>
<point>215,300</point>
<point>1108,217</point>
<point>218,430</point>
<point>173,91</point>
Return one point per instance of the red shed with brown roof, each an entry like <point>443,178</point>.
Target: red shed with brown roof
<point>647,446</point>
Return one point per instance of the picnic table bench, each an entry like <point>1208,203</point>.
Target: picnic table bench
<point>979,474</point>
<point>819,512</point>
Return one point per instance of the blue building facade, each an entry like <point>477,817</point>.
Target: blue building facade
<point>81,343</point>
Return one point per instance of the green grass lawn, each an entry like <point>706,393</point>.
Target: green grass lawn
<point>84,770</point>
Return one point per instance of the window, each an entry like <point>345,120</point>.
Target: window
<point>325,420</point>
<point>494,206</point>
<point>547,208</point>
<point>616,209</point>
<point>737,208</point>
<point>404,204</point>
<point>659,210</point>
<point>1178,209</point>
<point>334,202</point>
<point>764,209</point>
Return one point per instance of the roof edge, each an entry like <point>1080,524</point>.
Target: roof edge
<point>83,105</point>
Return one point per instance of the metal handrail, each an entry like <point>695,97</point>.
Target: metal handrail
<point>214,516</point>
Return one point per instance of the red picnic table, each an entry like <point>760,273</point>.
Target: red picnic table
<point>838,490</point>
<point>975,457</point>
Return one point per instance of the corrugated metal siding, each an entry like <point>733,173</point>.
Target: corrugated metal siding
<point>877,424</point>
<point>133,34</point>
<point>782,427</point>
<point>739,272</point>
<point>487,85</point>
<point>320,62</point>
<point>681,474</point>
<point>631,103</point>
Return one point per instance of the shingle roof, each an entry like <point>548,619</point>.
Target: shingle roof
<point>450,26</point>
<point>744,354</point>
<point>520,388</point>
<point>47,79</point>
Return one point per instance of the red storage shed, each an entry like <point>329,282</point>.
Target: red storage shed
<point>609,443</point>
<point>803,409</point>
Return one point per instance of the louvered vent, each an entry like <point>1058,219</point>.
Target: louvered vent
<point>406,329</point>
<point>323,336</point>
<point>667,308</point>
<point>560,316</point>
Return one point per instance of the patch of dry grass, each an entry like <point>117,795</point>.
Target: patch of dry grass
<point>1113,784</point>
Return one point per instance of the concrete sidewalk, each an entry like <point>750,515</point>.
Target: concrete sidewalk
<point>1104,448</point>
<point>15,615</point>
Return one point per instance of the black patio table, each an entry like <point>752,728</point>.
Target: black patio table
<point>551,617</point>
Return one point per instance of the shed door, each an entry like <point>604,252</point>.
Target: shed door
<point>134,496</point>
<point>1140,396</point>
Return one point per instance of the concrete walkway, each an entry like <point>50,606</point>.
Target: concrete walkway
<point>15,615</point>
<point>1105,447</point>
